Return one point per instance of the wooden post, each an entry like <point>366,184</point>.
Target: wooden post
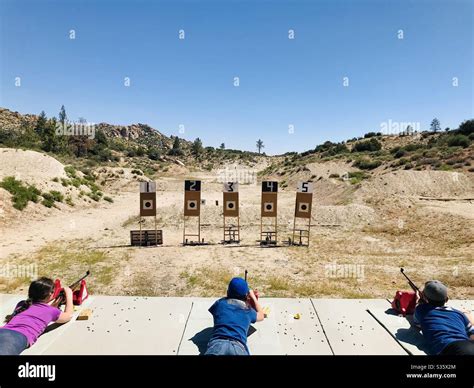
<point>140,222</point>
<point>276,230</point>
<point>309,228</point>
<point>238,228</point>
<point>294,227</point>
<point>184,229</point>
<point>199,228</point>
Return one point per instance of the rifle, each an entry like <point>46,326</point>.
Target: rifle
<point>61,298</point>
<point>413,286</point>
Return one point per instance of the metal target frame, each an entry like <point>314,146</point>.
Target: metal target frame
<point>147,194</point>
<point>192,192</point>
<point>231,232</point>
<point>269,196</point>
<point>304,196</point>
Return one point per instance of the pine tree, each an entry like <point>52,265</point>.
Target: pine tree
<point>41,123</point>
<point>62,115</point>
<point>435,125</point>
<point>197,147</point>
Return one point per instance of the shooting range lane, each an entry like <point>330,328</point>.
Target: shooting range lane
<point>301,336</point>
<point>401,327</point>
<point>279,333</point>
<point>351,330</point>
<point>126,325</point>
<point>158,325</point>
<point>262,339</point>
<point>54,332</point>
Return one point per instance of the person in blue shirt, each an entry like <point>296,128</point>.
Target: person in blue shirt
<point>447,330</point>
<point>232,318</point>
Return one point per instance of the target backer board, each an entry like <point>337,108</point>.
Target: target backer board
<point>192,198</point>
<point>147,199</point>
<point>304,200</point>
<point>269,199</point>
<point>231,199</point>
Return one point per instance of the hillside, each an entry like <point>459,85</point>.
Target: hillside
<point>380,202</point>
<point>137,146</point>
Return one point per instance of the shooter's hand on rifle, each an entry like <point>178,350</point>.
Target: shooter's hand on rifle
<point>69,310</point>
<point>420,298</point>
<point>253,302</point>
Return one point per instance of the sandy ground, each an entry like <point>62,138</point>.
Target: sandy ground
<point>356,248</point>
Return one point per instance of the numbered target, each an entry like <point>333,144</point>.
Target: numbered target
<point>231,199</point>
<point>192,198</point>
<point>304,200</point>
<point>269,199</point>
<point>147,204</point>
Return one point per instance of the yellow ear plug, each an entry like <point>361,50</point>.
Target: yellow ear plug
<point>266,311</point>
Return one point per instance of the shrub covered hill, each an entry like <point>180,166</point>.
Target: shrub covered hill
<point>142,147</point>
<point>138,145</point>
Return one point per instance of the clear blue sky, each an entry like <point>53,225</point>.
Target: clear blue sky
<point>282,81</point>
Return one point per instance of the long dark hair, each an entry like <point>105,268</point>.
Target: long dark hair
<point>38,291</point>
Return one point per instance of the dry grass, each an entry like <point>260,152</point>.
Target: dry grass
<point>70,261</point>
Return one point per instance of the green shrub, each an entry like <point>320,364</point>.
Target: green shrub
<point>458,141</point>
<point>467,127</point>
<point>108,199</point>
<point>95,195</point>
<point>357,176</point>
<point>401,152</point>
<point>48,200</point>
<point>70,171</point>
<point>21,194</point>
<point>56,195</point>
<point>412,147</point>
<point>69,200</point>
<point>369,145</point>
<point>367,164</point>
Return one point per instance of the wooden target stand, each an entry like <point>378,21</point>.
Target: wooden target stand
<point>151,237</point>
<point>303,206</point>
<point>192,209</point>
<point>268,235</point>
<point>231,210</point>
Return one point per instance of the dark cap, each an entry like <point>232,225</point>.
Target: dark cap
<point>435,291</point>
<point>238,288</point>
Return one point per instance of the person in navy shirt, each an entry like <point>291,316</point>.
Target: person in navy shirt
<point>447,330</point>
<point>232,318</point>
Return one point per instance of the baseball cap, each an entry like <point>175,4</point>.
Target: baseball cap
<point>238,288</point>
<point>435,291</point>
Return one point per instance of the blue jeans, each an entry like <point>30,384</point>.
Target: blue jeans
<point>12,343</point>
<point>225,347</point>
